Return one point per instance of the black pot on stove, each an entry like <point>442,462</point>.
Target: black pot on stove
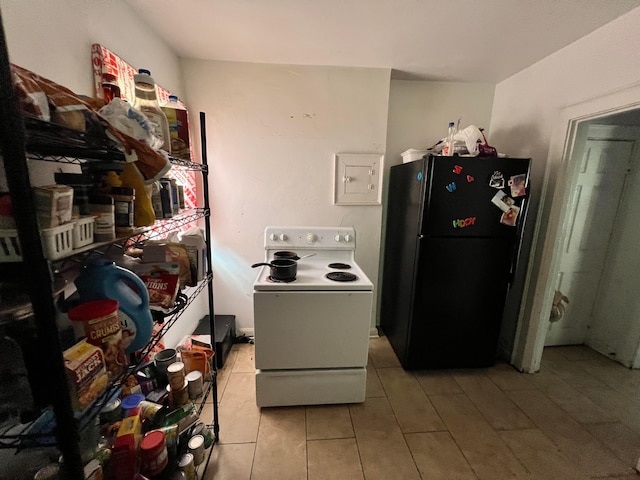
<point>281,269</point>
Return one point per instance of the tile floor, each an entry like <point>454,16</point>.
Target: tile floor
<point>579,418</point>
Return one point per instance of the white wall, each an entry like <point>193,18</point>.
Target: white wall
<point>528,105</point>
<point>419,114</point>
<point>272,131</point>
<point>53,39</point>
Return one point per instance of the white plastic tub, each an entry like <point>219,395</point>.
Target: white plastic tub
<point>412,154</point>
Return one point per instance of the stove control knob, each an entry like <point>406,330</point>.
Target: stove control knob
<point>273,237</point>
<point>312,237</point>
<point>283,237</point>
<point>338,237</point>
<point>348,238</point>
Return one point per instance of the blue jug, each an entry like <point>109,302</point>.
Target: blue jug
<point>102,278</point>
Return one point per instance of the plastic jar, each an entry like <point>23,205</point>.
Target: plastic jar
<point>131,404</point>
<point>101,326</point>
<point>123,204</point>
<point>146,101</point>
<point>153,453</point>
<point>101,206</point>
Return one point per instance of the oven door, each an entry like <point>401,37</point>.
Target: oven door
<point>311,330</point>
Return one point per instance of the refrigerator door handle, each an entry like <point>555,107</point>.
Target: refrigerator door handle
<point>514,261</point>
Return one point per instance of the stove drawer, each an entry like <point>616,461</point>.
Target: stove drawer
<point>302,330</point>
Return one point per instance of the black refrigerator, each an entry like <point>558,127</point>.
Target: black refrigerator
<point>453,237</point>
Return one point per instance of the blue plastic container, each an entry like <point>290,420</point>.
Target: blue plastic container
<point>102,278</point>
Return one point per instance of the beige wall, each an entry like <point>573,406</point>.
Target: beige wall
<point>273,131</point>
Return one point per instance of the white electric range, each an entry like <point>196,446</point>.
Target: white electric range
<point>312,333</point>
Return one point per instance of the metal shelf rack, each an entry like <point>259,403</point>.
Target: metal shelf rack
<point>16,147</point>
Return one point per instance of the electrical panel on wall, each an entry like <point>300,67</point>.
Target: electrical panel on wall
<point>358,179</point>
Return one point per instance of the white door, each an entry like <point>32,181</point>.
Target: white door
<point>603,170</point>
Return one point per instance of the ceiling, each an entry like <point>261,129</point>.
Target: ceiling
<point>437,40</point>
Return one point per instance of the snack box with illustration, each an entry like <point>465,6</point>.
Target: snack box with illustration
<point>163,252</point>
<point>86,373</point>
<point>162,281</point>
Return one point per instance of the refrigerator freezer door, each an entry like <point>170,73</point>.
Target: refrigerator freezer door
<point>404,210</point>
<point>459,194</point>
<point>458,303</point>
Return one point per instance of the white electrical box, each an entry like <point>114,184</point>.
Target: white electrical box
<point>358,179</point>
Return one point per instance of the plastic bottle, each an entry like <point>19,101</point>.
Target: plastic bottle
<point>123,204</point>
<point>147,102</point>
<point>101,206</point>
<point>142,209</point>
<point>449,146</point>
<point>178,119</point>
<point>102,279</point>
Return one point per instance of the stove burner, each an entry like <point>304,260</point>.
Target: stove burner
<point>278,280</point>
<point>341,276</point>
<point>340,266</point>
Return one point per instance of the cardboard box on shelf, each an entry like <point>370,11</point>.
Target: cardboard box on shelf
<point>86,372</point>
<point>54,205</point>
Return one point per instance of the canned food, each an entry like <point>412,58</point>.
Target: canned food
<point>187,466</point>
<point>179,397</point>
<point>194,379</point>
<point>196,448</point>
<point>201,429</point>
<point>149,410</point>
<point>175,375</point>
<point>111,412</point>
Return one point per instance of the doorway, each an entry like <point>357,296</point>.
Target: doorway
<point>623,108</point>
<point>606,151</point>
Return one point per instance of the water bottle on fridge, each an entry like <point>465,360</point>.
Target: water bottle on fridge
<point>449,147</point>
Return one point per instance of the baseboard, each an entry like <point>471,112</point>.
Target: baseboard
<point>248,332</point>
<point>373,333</point>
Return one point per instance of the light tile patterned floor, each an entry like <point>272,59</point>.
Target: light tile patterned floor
<point>579,418</point>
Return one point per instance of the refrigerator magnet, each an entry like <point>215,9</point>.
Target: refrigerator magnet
<point>497,180</point>
<point>457,169</point>
<point>470,179</point>
<point>510,217</point>
<point>518,185</point>
<point>451,187</point>
<point>502,201</point>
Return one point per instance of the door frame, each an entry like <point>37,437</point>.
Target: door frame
<point>612,133</point>
<point>531,334</point>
